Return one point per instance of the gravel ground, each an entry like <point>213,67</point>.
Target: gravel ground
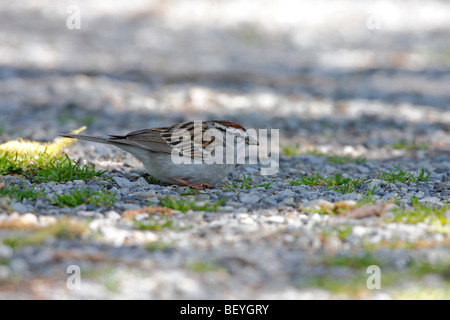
<point>377,97</point>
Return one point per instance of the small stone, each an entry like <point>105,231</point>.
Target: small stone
<point>315,217</point>
<point>373,183</point>
<point>79,183</point>
<point>289,201</point>
<point>141,217</point>
<point>420,194</point>
<point>47,220</point>
<point>333,243</point>
<point>19,265</point>
<point>140,237</point>
<point>42,256</point>
<point>363,169</point>
<point>275,219</point>
<point>286,194</point>
<point>288,238</point>
<point>141,182</point>
<point>388,196</point>
<point>249,198</point>
<point>41,203</point>
<point>359,231</point>
<point>271,212</point>
<point>350,196</point>
<point>123,182</point>
<point>91,207</point>
<point>242,216</point>
<point>96,224</point>
<point>300,188</point>
<point>28,219</point>
<point>330,169</point>
<point>319,203</point>
<point>93,187</point>
<point>271,201</point>
<point>447,214</point>
<point>245,219</point>
<point>15,181</point>
<point>113,215</point>
<point>86,214</point>
<point>114,235</point>
<point>6,252</point>
<point>19,207</point>
<point>226,209</point>
<point>234,204</point>
<point>251,170</point>
<point>114,190</point>
<point>5,272</point>
<point>401,185</point>
<point>241,210</point>
<point>433,200</point>
<point>127,206</point>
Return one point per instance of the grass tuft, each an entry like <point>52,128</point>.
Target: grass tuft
<point>398,175</point>
<point>20,193</point>
<point>421,213</point>
<point>408,145</point>
<point>346,159</point>
<point>246,183</point>
<point>159,246</point>
<point>184,205</point>
<point>290,151</point>
<point>63,168</point>
<point>43,162</point>
<point>79,196</point>
<point>63,228</point>
<point>337,182</point>
<point>205,266</point>
<point>155,225</point>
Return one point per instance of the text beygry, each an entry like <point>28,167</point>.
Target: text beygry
<point>227,309</point>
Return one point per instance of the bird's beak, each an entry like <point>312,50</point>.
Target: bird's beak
<point>251,141</point>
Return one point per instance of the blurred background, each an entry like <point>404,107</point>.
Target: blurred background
<point>354,78</point>
<point>356,72</point>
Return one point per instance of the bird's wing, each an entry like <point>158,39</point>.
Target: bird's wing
<point>165,140</point>
<point>148,139</point>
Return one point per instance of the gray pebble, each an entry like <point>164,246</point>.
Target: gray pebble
<point>249,198</point>
<point>431,200</point>
<point>41,257</point>
<point>5,273</point>
<point>373,183</point>
<point>112,215</point>
<point>93,187</point>
<point>20,207</point>
<point>363,169</point>
<point>289,201</point>
<point>122,182</point>
<point>78,183</point>
<point>6,252</point>
<point>286,194</point>
<point>15,181</point>
<point>86,214</point>
<point>141,182</point>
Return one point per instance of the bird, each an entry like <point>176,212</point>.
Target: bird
<point>192,154</point>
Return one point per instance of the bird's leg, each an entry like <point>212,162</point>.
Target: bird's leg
<point>200,186</point>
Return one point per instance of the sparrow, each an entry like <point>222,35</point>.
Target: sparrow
<point>190,153</point>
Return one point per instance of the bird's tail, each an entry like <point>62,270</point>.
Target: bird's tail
<point>87,138</point>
